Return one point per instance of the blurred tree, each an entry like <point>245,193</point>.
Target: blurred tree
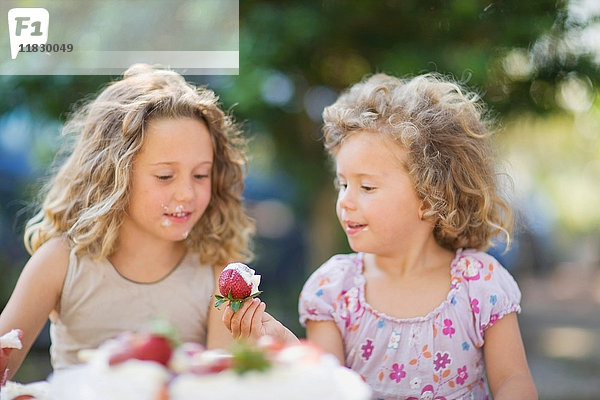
<point>515,52</point>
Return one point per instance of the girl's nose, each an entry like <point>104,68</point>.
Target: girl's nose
<point>346,199</point>
<point>184,191</point>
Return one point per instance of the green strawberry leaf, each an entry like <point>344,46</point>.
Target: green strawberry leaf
<point>236,305</point>
<point>220,301</point>
<point>249,358</point>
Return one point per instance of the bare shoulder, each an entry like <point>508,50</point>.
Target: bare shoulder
<point>52,260</point>
<point>53,254</point>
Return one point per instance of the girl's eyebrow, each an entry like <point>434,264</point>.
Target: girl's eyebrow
<point>360,175</point>
<point>177,162</point>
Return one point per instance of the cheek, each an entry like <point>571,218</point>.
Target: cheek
<point>338,209</point>
<point>204,195</point>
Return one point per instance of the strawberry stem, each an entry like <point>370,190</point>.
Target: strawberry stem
<point>236,304</point>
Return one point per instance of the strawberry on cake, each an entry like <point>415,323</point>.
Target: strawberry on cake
<point>133,366</point>
<point>272,372</point>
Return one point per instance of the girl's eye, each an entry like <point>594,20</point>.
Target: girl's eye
<point>163,177</point>
<point>200,176</point>
<point>367,188</point>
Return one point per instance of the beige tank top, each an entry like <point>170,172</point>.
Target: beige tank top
<point>97,303</point>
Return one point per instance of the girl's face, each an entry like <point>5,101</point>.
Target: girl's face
<point>171,179</point>
<point>377,204</point>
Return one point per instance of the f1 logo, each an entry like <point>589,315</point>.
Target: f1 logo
<point>27,26</point>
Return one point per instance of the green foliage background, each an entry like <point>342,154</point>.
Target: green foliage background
<point>316,49</point>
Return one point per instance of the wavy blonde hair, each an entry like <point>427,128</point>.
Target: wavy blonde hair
<point>89,194</point>
<point>450,153</point>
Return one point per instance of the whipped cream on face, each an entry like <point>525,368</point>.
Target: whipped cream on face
<point>247,273</point>
<point>11,340</point>
<point>179,210</point>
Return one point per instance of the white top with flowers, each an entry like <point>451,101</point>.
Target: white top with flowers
<point>438,356</point>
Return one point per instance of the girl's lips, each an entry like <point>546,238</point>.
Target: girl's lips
<point>178,217</point>
<point>352,228</point>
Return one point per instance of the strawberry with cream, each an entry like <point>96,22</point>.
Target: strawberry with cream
<point>237,283</point>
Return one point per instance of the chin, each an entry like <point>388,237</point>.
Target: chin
<point>357,247</point>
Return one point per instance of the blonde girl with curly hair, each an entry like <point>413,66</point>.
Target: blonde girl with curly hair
<point>420,311</point>
<point>138,221</point>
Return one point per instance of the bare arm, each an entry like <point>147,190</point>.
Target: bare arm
<point>36,294</point>
<point>327,335</point>
<point>505,361</point>
<point>217,335</point>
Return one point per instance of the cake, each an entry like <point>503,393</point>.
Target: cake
<point>19,391</point>
<point>267,370</point>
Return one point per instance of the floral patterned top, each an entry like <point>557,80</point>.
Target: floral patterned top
<point>438,356</point>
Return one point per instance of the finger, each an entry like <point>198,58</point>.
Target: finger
<point>237,318</point>
<point>246,317</point>
<point>247,321</point>
<point>257,318</point>
<point>226,318</point>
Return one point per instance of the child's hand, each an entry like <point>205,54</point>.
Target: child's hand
<point>8,342</point>
<point>251,322</point>
<point>247,322</point>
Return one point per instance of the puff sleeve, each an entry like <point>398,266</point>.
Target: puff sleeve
<point>324,288</point>
<point>493,292</point>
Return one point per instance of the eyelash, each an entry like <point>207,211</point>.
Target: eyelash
<point>342,186</point>
<point>167,177</point>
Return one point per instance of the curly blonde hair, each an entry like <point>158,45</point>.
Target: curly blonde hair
<point>89,194</point>
<point>450,153</point>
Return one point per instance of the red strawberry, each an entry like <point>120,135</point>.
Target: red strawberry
<point>146,347</point>
<point>237,283</point>
<point>232,280</point>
